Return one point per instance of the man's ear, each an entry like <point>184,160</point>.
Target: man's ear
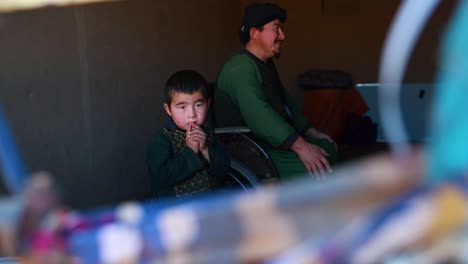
<point>208,102</point>
<point>168,109</point>
<point>253,32</point>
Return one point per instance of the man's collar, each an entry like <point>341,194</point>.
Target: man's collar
<point>255,57</point>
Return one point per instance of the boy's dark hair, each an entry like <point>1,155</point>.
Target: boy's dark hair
<point>258,14</point>
<point>187,82</point>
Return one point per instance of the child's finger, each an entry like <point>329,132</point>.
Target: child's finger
<point>195,128</point>
<point>197,138</point>
<point>200,137</point>
<point>197,132</point>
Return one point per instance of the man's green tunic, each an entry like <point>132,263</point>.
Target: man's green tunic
<point>250,93</point>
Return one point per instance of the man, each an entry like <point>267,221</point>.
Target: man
<point>250,93</point>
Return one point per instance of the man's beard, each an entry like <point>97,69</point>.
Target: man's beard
<point>277,55</point>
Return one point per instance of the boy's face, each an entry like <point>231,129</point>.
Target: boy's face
<point>188,108</point>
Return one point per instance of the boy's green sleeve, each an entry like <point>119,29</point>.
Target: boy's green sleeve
<point>241,81</point>
<point>166,171</point>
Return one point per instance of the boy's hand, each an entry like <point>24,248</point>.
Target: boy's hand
<point>190,141</point>
<point>197,134</point>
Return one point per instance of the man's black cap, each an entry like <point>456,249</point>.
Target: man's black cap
<point>257,15</point>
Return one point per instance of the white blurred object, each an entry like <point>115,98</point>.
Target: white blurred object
<point>15,5</point>
<point>119,243</point>
<point>404,32</point>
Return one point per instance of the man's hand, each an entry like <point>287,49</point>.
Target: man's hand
<point>314,133</point>
<point>313,157</point>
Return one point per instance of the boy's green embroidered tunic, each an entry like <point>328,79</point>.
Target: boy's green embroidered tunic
<point>200,181</point>
<point>177,171</point>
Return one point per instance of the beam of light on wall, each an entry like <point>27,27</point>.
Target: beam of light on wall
<point>404,32</point>
<point>16,5</point>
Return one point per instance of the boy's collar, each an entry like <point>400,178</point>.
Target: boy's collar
<point>170,124</point>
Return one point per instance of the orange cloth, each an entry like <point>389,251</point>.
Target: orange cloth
<point>327,108</point>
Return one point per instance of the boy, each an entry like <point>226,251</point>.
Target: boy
<point>183,156</point>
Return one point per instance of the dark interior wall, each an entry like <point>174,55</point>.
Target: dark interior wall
<point>349,35</point>
<point>83,86</point>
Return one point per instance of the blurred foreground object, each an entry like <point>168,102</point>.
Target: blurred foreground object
<point>449,128</point>
<point>407,25</point>
<point>247,227</point>
<point>11,163</point>
<point>371,210</point>
<point>16,5</point>
<point>234,228</point>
